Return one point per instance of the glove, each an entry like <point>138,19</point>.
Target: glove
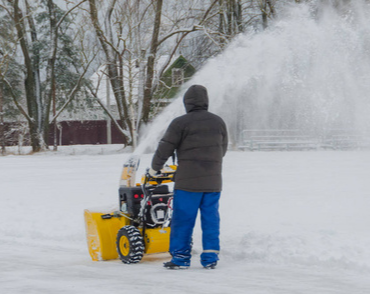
<point>152,172</point>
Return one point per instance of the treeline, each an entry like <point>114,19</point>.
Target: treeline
<point>50,48</point>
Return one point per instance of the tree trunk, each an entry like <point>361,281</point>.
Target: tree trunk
<point>271,7</point>
<point>50,94</point>
<point>230,19</point>
<point>151,62</point>
<point>268,10</point>
<point>35,65</point>
<point>264,14</point>
<point>221,23</point>
<point>113,64</point>
<point>2,127</point>
<point>239,16</point>
<point>230,13</point>
<point>30,82</point>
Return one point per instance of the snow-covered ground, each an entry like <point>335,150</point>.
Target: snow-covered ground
<point>292,222</point>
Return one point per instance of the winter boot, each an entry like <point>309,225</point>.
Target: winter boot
<point>172,266</point>
<point>211,265</point>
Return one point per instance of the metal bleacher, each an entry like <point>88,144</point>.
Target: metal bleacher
<point>292,139</point>
<point>345,140</point>
<point>258,140</point>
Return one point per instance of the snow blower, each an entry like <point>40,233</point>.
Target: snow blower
<point>141,225</point>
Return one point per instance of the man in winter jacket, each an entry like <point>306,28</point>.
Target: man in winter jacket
<point>200,141</point>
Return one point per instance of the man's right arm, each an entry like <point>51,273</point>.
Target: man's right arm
<point>167,146</point>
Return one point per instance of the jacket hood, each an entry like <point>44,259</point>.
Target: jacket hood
<point>196,98</point>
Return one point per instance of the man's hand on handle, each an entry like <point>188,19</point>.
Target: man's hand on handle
<point>153,173</point>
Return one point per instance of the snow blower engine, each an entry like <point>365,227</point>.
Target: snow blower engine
<point>142,223</point>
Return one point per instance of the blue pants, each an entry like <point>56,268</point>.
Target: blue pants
<point>185,210</point>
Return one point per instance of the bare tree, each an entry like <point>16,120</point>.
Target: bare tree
<point>38,93</point>
<point>113,51</point>
<point>127,28</point>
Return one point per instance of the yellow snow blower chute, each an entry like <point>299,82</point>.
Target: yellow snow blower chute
<point>141,225</point>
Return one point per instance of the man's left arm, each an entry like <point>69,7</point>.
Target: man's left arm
<point>225,140</point>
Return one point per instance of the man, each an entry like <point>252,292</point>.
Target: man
<point>200,141</point>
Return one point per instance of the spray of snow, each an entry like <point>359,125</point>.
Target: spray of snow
<point>309,70</point>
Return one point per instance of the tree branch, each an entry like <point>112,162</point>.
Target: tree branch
<point>66,14</point>
<point>195,27</point>
<point>74,90</point>
<point>19,106</point>
<point>94,93</point>
<point>7,10</point>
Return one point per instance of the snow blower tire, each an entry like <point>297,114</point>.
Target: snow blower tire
<point>130,244</point>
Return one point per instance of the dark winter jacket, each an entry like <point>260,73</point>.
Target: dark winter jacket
<point>200,140</point>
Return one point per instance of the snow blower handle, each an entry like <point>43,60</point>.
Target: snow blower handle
<point>152,175</point>
<point>165,175</point>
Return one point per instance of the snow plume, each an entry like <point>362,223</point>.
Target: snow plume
<point>309,70</point>
<point>153,133</point>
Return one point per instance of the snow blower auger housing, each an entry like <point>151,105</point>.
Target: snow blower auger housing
<point>141,225</point>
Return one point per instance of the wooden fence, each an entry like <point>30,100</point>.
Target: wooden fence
<point>68,133</point>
